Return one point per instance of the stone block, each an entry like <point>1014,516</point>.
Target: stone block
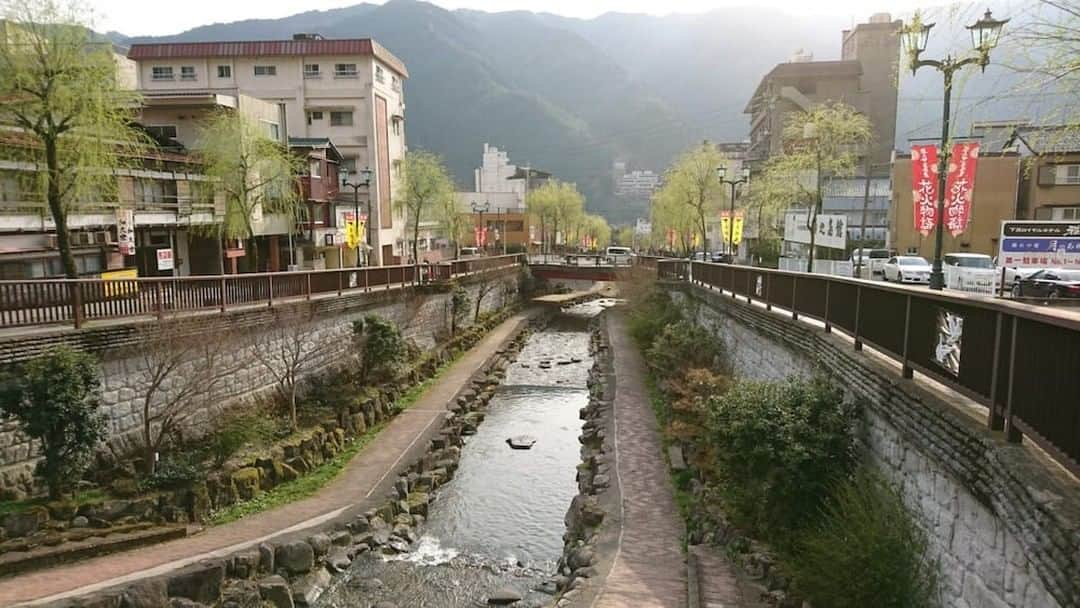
<point>320,544</point>
<point>275,591</point>
<point>25,523</point>
<point>307,590</point>
<point>248,482</point>
<point>152,593</point>
<point>295,557</point>
<point>200,583</point>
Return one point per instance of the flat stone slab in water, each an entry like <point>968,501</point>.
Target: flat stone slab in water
<point>522,442</point>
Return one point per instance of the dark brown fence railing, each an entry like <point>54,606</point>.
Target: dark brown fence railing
<point>75,301</point>
<point>1022,362</point>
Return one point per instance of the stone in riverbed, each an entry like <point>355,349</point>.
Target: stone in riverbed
<point>503,597</point>
<point>338,560</point>
<point>307,590</point>
<point>297,557</point>
<point>274,590</point>
<point>320,543</point>
<point>521,442</point>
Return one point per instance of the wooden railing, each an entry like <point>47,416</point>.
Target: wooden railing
<point>1022,362</point>
<point>76,301</point>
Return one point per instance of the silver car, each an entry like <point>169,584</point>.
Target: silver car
<point>907,269</point>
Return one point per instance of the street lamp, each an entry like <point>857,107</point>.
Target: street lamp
<point>477,208</point>
<point>363,180</point>
<point>721,172</point>
<point>985,34</point>
<point>810,134</point>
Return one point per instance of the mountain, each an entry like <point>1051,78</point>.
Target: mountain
<point>570,96</point>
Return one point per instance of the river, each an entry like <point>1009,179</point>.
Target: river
<point>498,524</point>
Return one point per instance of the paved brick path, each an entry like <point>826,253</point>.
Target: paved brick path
<point>719,587</point>
<point>363,483</point>
<point>649,569</point>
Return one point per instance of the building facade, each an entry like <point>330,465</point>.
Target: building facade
<point>348,91</point>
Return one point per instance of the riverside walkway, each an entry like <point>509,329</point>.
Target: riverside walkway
<point>362,484</point>
<point>649,568</point>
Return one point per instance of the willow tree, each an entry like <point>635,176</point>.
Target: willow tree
<point>60,89</point>
<point>426,192</point>
<point>827,140</point>
<point>254,173</point>
<point>692,181</point>
<point>556,204</point>
<point>1045,50</point>
<point>670,214</point>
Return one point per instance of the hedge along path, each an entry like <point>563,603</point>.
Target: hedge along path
<point>361,485</point>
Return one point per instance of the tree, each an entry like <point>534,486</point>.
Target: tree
<point>556,204</point>
<point>60,89</point>
<point>255,174</point>
<point>692,181</point>
<point>427,193</point>
<point>671,215</point>
<point>55,400</point>
<point>380,348</point>
<point>288,350</point>
<point>826,140</point>
<point>179,373</point>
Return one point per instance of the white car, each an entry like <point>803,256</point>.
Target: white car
<point>620,256</point>
<point>907,269</point>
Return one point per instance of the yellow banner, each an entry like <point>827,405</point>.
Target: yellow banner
<point>725,227</point>
<point>123,286</point>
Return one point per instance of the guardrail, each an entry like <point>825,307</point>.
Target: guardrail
<point>76,301</point>
<point>1021,362</point>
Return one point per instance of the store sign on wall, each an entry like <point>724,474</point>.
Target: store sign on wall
<point>1039,244</point>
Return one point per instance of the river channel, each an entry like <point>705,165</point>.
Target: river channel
<point>498,524</point>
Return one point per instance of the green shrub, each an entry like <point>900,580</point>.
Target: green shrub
<point>866,551</point>
<point>380,347</point>
<point>683,345</point>
<point>650,314</point>
<point>780,447</point>
<point>239,430</point>
<point>177,470</point>
<point>55,400</point>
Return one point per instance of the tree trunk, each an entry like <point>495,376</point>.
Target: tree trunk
<point>148,443</point>
<point>416,248</point>
<point>56,207</point>
<point>253,248</point>
<point>292,406</point>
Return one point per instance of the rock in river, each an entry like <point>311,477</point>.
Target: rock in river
<point>521,442</point>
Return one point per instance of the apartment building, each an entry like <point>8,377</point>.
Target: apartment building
<point>349,91</point>
<point>1050,187</point>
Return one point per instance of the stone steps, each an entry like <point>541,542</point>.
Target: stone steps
<point>716,585</point>
<point>17,562</point>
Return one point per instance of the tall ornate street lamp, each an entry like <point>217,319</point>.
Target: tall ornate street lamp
<point>363,180</point>
<point>481,209</point>
<point>985,34</point>
<point>721,172</point>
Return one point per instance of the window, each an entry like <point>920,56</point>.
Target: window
<point>380,74</point>
<point>315,168</point>
<point>266,70</point>
<point>311,70</point>
<point>273,131</point>
<point>162,132</point>
<point>396,124</point>
<point>9,188</point>
<point>161,72</point>
<point>341,119</point>
<point>349,165</point>
<point>1067,213</point>
<point>1072,174</point>
<point>395,83</point>
<point>224,71</point>
<point>314,115</point>
<point>155,191</point>
<point>345,70</point>
<point>187,72</point>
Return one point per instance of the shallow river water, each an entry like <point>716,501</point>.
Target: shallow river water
<point>499,523</point>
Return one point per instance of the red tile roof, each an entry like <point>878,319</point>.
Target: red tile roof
<point>267,48</point>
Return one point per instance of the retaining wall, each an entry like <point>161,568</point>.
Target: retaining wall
<point>1003,523</point>
<point>423,314</point>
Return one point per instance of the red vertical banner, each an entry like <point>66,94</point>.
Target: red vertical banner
<point>960,186</point>
<point>476,236</point>
<point>924,194</point>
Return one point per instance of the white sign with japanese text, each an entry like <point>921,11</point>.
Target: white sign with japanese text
<point>831,230</point>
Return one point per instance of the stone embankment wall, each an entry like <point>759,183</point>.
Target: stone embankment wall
<point>1003,524</point>
<point>423,314</point>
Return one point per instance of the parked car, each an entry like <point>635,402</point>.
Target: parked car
<point>1050,283</point>
<point>468,252</point>
<point>968,260</point>
<point>699,256</point>
<point>907,269</point>
<point>620,256</point>
<point>1012,273</point>
<point>874,259</point>
<point>720,257</point>
<point>974,272</point>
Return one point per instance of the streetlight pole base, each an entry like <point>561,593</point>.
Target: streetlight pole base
<point>937,280</point>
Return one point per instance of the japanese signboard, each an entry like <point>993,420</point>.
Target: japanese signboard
<point>1039,244</point>
<point>480,235</point>
<point>165,259</point>
<point>125,231</point>
<point>960,186</point>
<point>831,230</point>
<point>119,282</point>
<point>726,227</point>
<point>924,195</point>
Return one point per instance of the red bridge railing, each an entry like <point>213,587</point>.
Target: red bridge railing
<point>1022,362</point>
<point>76,301</point>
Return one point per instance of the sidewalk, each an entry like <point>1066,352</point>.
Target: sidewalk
<point>649,569</point>
<point>360,486</point>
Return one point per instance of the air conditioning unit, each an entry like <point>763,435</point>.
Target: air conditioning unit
<point>103,237</point>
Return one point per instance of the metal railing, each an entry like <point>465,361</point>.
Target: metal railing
<point>76,301</point>
<point>1020,361</point>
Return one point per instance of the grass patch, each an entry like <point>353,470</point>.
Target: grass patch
<point>8,507</point>
<point>297,489</point>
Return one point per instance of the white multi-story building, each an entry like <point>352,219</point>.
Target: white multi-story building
<point>500,184</point>
<point>637,184</point>
<point>348,91</point>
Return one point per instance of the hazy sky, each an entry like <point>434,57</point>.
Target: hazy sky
<point>143,17</point>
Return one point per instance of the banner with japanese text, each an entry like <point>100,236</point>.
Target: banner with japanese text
<point>960,186</point>
<point>726,228</point>
<point>924,195</point>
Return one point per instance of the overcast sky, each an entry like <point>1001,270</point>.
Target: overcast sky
<point>143,17</point>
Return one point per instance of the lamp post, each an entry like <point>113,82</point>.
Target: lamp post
<point>985,34</point>
<point>810,134</point>
<point>477,208</point>
<point>721,171</point>
<point>363,180</point>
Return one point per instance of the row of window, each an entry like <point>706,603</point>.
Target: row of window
<point>311,71</point>
<point>338,118</point>
<point>341,70</point>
